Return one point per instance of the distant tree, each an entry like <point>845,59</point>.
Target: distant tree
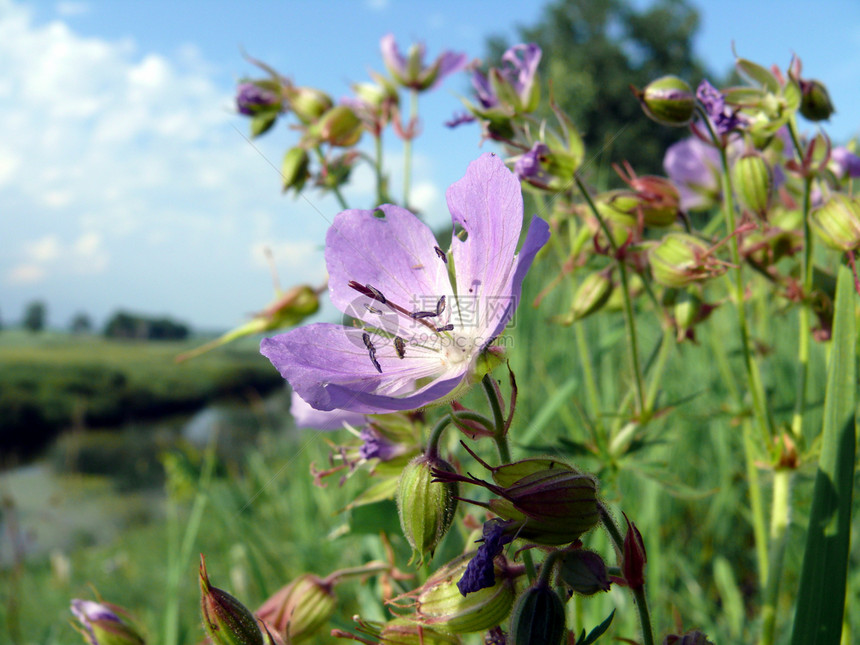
<point>134,326</point>
<point>81,324</point>
<point>35,315</point>
<point>594,51</point>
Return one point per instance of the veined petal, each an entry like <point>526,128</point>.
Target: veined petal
<point>395,255</point>
<point>331,366</point>
<point>392,57</point>
<point>487,203</point>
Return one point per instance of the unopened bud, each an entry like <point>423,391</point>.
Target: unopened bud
<point>680,259</point>
<point>308,103</point>
<point>102,623</point>
<point>226,620</point>
<point>440,605</point>
<point>402,632</point>
<point>633,557</point>
<point>426,507</point>
<point>837,222</point>
<point>753,181</point>
<point>591,295</point>
<point>815,102</point>
<point>538,617</point>
<point>294,169</point>
<point>668,100</point>
<point>300,609</point>
<point>339,126</point>
<point>583,571</point>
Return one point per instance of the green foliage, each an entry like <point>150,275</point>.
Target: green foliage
<point>594,51</point>
<point>35,316</point>
<point>134,326</point>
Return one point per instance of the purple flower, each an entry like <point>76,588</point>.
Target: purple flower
<point>844,163</point>
<point>411,72</point>
<point>421,338</point>
<point>528,166</point>
<point>723,118</point>
<point>307,417</point>
<point>376,446</point>
<point>103,623</point>
<point>251,99</point>
<point>479,573</point>
<point>694,167</point>
<point>519,67</point>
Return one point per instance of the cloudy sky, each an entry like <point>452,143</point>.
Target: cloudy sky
<point>125,178</point>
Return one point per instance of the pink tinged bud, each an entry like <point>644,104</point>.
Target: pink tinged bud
<point>680,259</point>
<point>815,102</point>
<point>308,103</point>
<point>402,632</point>
<point>584,572</point>
<point>225,619</point>
<point>299,610</point>
<point>591,295</point>
<point>339,126</point>
<point>538,617</point>
<point>837,222</point>
<point>426,507</point>
<point>633,557</point>
<point>753,182</point>
<point>668,100</point>
<point>103,623</point>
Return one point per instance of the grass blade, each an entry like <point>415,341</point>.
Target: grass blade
<point>821,597</point>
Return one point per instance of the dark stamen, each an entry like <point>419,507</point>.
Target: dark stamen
<point>372,353</point>
<point>418,315</point>
<point>441,254</point>
<point>440,306</point>
<point>448,327</point>
<point>368,290</point>
<point>372,310</point>
<point>367,343</point>
<point>400,346</point>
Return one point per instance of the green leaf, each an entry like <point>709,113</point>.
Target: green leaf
<point>597,632</point>
<point>758,74</point>
<point>821,599</point>
<point>260,123</point>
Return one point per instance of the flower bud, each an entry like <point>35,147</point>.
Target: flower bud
<point>633,557</point>
<point>837,222</point>
<point>103,623</point>
<point>298,610</point>
<point>668,100</point>
<point>226,620</point>
<point>753,181</point>
<point>339,126</point>
<point>402,632</point>
<point>294,169</point>
<point>254,98</point>
<point>680,259</point>
<point>815,102</point>
<point>655,199</point>
<point>584,572</point>
<point>440,605</point>
<point>426,507</point>
<point>590,296</point>
<point>308,103</point>
<point>538,617</point>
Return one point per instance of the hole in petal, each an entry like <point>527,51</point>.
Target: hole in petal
<point>378,213</point>
<point>460,233</point>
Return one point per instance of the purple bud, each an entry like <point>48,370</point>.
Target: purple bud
<point>528,166</point>
<point>846,164</point>
<point>724,119</point>
<point>103,623</point>
<point>251,99</point>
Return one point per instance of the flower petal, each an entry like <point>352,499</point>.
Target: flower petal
<point>307,417</point>
<point>392,57</point>
<point>331,366</point>
<point>394,254</point>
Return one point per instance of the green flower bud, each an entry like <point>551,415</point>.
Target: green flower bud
<point>687,310</point>
<point>300,609</point>
<point>440,605</point>
<point>584,572</point>
<point>308,103</point>
<point>226,620</point>
<point>680,259</point>
<point>538,617</point>
<point>837,222</point>
<point>815,102</point>
<point>668,100</point>
<point>402,632</point>
<point>753,181</point>
<point>339,126</point>
<point>294,169</point>
<point>590,296</point>
<point>102,623</point>
<point>426,507</point>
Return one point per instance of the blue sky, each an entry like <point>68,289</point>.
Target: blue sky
<point>123,180</point>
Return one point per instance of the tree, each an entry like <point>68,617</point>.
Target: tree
<point>134,326</point>
<point>35,315</point>
<point>594,51</point>
<point>81,324</point>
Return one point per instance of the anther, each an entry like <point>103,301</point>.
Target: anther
<point>418,315</point>
<point>440,306</point>
<point>367,342</point>
<point>372,353</point>
<point>368,290</point>
<point>448,327</point>
<point>399,346</point>
<point>441,254</point>
<point>372,310</point>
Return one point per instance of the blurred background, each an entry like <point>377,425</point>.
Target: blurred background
<point>135,218</point>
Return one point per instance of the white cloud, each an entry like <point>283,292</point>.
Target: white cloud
<point>46,249</point>
<point>377,5</point>
<point>69,8</point>
<point>25,274</point>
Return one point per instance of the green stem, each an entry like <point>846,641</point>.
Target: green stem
<point>498,420</point>
<point>590,383</point>
<point>436,435</point>
<point>335,189</point>
<point>779,522</point>
<point>638,594</point>
<point>757,510</point>
<point>380,192</point>
<point>628,305</point>
<point>407,147</point>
